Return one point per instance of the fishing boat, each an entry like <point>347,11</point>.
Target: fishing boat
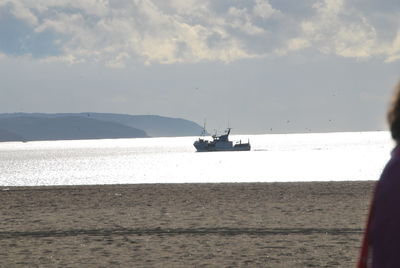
<point>220,143</point>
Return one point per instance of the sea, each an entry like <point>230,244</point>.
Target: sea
<point>350,156</point>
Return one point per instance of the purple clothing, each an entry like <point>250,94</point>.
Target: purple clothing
<point>384,232</point>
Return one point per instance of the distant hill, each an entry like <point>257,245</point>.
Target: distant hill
<point>6,135</point>
<point>154,125</point>
<point>30,128</point>
<point>39,126</point>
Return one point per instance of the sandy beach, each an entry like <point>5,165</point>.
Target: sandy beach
<point>317,224</point>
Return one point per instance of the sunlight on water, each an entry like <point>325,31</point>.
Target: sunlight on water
<point>274,158</point>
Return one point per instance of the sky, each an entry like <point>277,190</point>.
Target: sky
<point>258,66</point>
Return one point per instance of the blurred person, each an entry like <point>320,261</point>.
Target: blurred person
<point>381,243</point>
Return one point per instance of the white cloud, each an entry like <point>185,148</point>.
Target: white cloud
<point>264,9</point>
<point>22,12</point>
<point>340,29</point>
<point>175,31</point>
<point>94,31</point>
<point>240,19</point>
<point>297,43</point>
<point>189,7</point>
<point>393,49</point>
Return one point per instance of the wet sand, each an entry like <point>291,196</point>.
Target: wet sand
<point>316,224</point>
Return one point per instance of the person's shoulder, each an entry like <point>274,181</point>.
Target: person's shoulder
<point>393,166</point>
<point>391,174</point>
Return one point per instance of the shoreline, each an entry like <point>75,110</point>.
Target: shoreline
<point>44,187</point>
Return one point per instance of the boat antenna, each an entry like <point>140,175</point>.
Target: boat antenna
<point>203,133</point>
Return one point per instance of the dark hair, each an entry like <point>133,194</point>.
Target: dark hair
<point>394,115</point>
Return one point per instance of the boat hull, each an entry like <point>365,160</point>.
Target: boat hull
<point>205,146</point>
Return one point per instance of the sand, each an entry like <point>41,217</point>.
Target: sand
<point>316,224</point>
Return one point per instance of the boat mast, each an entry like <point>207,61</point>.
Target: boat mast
<point>203,132</point>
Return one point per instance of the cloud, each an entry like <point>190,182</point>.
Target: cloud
<point>23,13</point>
<point>338,30</point>
<point>341,29</point>
<point>298,43</point>
<point>189,31</point>
<point>393,49</point>
<point>264,9</point>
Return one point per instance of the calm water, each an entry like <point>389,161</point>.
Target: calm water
<point>274,158</point>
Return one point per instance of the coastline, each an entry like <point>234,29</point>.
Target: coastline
<point>291,224</point>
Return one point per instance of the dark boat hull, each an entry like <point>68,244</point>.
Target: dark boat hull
<point>206,146</point>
